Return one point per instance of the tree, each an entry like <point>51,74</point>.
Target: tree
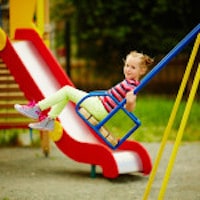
<point>107,30</point>
<point>62,11</point>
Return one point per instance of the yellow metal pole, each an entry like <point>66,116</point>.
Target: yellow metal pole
<point>40,16</point>
<point>172,118</point>
<point>46,35</point>
<point>180,133</point>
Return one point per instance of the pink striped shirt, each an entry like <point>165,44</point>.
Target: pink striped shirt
<point>119,92</point>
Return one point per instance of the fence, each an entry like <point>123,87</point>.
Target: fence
<point>166,82</point>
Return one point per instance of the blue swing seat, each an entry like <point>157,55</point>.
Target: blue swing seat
<point>107,137</point>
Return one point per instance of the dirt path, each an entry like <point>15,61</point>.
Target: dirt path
<point>26,175</point>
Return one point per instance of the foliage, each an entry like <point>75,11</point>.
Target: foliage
<point>61,9</point>
<point>135,24</point>
<point>8,137</point>
<point>14,137</point>
<point>107,30</point>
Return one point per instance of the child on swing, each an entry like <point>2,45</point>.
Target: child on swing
<point>135,67</point>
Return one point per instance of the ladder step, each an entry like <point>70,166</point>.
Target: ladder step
<point>12,115</point>
<point>7,81</point>
<point>5,71</point>
<point>10,93</point>
<point>9,90</point>
<point>8,125</point>
<point>11,97</point>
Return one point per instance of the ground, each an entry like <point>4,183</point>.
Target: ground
<point>25,174</point>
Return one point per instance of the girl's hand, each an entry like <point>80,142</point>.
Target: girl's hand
<point>130,101</point>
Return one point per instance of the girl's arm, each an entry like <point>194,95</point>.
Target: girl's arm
<point>130,101</point>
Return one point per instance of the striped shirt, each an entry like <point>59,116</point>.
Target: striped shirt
<point>119,92</point>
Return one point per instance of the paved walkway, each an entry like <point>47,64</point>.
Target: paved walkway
<point>25,174</point>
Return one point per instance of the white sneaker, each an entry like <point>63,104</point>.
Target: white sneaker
<point>46,124</point>
<point>30,110</point>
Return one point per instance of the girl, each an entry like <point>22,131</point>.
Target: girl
<point>135,67</point>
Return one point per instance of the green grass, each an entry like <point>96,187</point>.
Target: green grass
<point>154,113</point>
<point>10,137</point>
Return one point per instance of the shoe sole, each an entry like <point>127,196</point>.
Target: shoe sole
<point>40,128</point>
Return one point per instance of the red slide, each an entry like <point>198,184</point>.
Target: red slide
<point>38,74</point>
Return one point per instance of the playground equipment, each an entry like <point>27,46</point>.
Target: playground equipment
<point>194,33</point>
<point>33,65</point>
<point>98,126</point>
<point>75,139</point>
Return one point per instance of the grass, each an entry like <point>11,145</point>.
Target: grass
<point>10,137</point>
<point>154,112</point>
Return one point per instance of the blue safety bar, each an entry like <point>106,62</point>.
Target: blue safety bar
<point>120,105</point>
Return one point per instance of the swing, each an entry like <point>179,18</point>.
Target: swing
<point>99,128</point>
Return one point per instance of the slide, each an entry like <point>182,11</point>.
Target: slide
<point>39,75</point>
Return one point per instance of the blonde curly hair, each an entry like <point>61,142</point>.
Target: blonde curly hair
<point>146,60</point>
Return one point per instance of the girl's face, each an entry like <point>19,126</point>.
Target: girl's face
<point>132,69</point>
